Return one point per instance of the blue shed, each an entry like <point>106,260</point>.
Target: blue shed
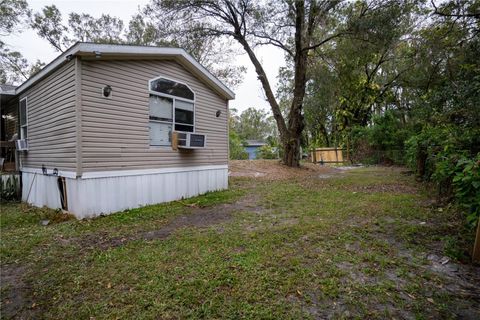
<point>251,147</point>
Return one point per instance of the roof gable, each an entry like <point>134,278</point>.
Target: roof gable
<point>122,51</point>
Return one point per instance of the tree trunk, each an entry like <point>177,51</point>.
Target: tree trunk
<point>238,19</point>
<point>290,134</point>
<point>295,119</point>
<point>421,161</point>
<point>324,132</point>
<point>291,156</point>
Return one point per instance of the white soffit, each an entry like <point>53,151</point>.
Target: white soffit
<point>84,48</point>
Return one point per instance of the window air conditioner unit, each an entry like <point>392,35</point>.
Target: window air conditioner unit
<point>21,145</point>
<point>189,140</point>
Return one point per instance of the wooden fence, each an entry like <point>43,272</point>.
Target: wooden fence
<point>328,155</point>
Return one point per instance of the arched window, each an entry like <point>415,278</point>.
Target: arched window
<point>172,107</point>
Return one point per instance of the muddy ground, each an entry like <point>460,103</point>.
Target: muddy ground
<point>461,280</point>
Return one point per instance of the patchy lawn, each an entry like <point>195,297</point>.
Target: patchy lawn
<point>324,243</point>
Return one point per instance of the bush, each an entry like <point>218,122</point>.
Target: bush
<point>9,188</point>
<point>236,149</point>
<point>446,156</point>
<point>387,133</point>
<point>466,184</point>
<point>383,142</point>
<point>267,152</point>
<point>430,152</point>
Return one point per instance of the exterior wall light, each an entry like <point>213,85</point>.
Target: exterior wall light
<point>218,113</point>
<point>107,91</point>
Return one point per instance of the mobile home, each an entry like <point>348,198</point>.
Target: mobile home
<point>104,128</point>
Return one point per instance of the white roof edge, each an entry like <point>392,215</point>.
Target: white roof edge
<point>81,47</point>
<point>8,92</point>
<point>48,68</point>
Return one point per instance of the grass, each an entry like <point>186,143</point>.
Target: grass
<point>352,246</point>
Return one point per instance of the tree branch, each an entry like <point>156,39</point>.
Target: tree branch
<point>262,76</point>
<point>16,66</point>
<point>321,43</point>
<point>274,42</point>
<point>463,15</point>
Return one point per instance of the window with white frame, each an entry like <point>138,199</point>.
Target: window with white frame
<point>23,118</point>
<point>172,108</point>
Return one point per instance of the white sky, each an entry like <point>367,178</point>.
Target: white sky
<point>248,94</point>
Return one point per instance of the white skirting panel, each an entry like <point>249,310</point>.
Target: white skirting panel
<point>103,195</point>
<point>40,190</point>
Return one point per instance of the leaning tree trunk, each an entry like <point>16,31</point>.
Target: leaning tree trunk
<point>291,156</point>
<point>292,142</point>
<point>290,134</point>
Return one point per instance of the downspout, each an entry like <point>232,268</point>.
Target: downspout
<point>61,185</point>
<point>62,188</point>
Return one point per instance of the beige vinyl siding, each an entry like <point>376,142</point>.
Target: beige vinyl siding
<point>51,121</point>
<point>115,130</point>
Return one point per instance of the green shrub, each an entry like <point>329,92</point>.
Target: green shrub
<point>446,156</point>
<point>430,151</point>
<point>267,152</point>
<point>236,148</point>
<point>382,142</point>
<point>466,184</point>
<point>9,188</point>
